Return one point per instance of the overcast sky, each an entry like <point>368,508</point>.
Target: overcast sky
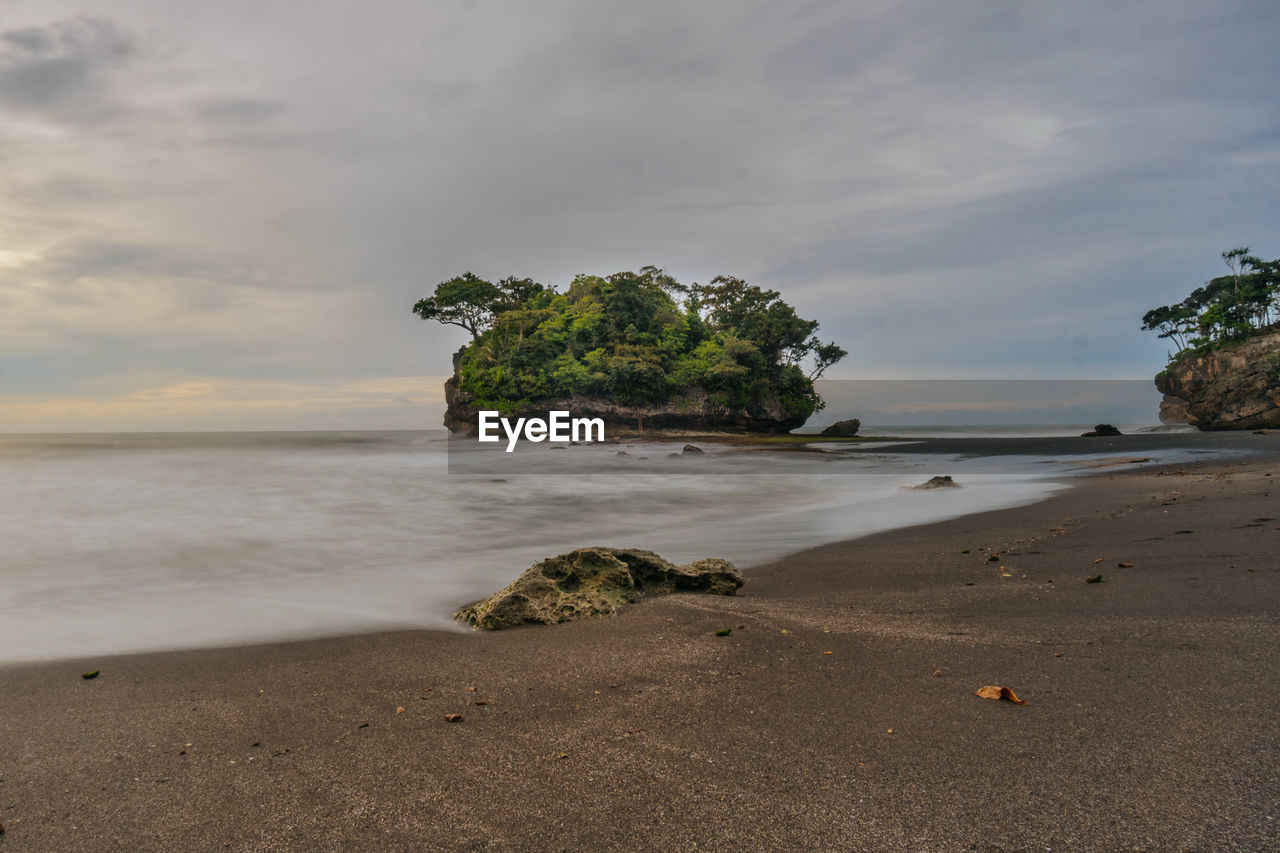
<point>217,215</point>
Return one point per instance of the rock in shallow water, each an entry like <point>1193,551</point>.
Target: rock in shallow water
<point>847,428</point>
<point>592,582</point>
<point>942,482</point>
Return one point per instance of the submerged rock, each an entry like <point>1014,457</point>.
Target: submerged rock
<point>692,450</point>
<point>592,582</point>
<point>1101,431</point>
<point>847,428</point>
<point>942,482</point>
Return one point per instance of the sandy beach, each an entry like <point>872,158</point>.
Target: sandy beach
<point>839,714</point>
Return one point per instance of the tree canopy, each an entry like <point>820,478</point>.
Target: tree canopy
<point>472,303</point>
<point>632,338</point>
<point>1232,307</point>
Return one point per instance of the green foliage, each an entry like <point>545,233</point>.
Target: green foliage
<point>1227,309</point>
<point>633,338</point>
<point>472,302</point>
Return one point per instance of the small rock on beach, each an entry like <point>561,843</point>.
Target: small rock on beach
<point>942,482</point>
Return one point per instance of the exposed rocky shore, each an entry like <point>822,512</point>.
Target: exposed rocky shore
<point>1234,387</point>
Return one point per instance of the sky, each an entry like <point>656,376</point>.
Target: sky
<point>218,215</point>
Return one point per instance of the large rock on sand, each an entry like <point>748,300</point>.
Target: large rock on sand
<point>592,582</point>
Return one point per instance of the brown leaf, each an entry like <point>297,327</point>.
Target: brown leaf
<point>1099,560</point>
<point>1125,565</point>
<point>993,692</point>
<point>453,718</point>
<point>400,709</point>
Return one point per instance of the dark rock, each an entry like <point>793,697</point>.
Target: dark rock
<point>943,482</point>
<point>696,410</point>
<point>593,582</point>
<point>1101,431</point>
<point>846,429</point>
<point>691,450</point>
<point>1173,410</point>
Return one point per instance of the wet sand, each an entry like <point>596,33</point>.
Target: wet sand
<point>1151,719</point>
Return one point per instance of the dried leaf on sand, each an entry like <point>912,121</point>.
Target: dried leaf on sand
<point>994,692</point>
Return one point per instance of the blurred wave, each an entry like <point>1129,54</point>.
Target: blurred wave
<point>118,543</point>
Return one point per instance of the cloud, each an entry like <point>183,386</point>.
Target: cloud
<point>979,188</point>
<point>58,71</point>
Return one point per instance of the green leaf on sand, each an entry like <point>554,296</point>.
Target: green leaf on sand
<point>90,674</point>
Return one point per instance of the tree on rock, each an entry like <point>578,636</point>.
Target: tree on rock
<point>471,302</point>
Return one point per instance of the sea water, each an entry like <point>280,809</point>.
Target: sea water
<point>136,542</point>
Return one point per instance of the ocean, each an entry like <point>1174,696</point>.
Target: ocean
<point>144,541</point>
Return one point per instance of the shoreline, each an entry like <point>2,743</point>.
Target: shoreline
<point>1155,728</point>
<point>961,451</point>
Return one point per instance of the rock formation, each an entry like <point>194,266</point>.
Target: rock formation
<point>847,428</point>
<point>695,410</point>
<point>591,582</point>
<point>941,482</point>
<point>1236,386</point>
<point>1101,431</point>
<point>692,412</point>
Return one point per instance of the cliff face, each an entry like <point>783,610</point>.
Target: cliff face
<point>693,411</point>
<point>1234,388</point>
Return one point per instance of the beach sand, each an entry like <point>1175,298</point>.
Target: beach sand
<point>839,714</point>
